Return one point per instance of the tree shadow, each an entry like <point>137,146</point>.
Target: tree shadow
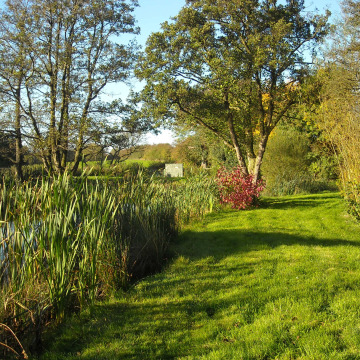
<point>220,244</point>
<point>171,308</point>
<point>305,201</point>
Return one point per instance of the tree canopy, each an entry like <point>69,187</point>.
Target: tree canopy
<point>63,55</point>
<point>233,67</point>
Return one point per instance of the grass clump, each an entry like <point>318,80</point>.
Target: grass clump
<point>278,282</point>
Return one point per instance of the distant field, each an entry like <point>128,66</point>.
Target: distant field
<point>278,282</point>
<point>107,163</point>
<point>112,171</point>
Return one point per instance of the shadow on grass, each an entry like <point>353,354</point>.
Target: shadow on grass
<point>305,201</point>
<point>220,244</point>
<point>163,319</point>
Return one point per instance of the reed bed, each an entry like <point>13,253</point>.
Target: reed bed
<point>195,197</point>
<point>66,241</point>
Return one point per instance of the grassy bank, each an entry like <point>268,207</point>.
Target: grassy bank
<point>278,282</point>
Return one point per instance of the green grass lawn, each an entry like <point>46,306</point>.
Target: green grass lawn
<point>278,282</point>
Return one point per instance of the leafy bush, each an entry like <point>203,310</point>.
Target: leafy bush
<point>293,165</point>
<point>352,196</point>
<point>238,190</point>
<point>285,164</point>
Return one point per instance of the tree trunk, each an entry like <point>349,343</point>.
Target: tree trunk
<point>78,154</point>
<point>19,157</point>
<point>251,164</point>
<point>236,145</point>
<point>80,141</point>
<point>259,157</point>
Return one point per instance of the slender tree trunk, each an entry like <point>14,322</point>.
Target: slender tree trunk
<point>66,98</point>
<point>78,155</point>
<point>235,142</point>
<point>19,157</point>
<point>64,124</point>
<point>80,142</point>
<point>259,157</point>
<point>53,72</point>
<point>234,139</point>
<point>65,146</point>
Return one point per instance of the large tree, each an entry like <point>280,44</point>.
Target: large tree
<point>231,66</point>
<point>15,70</point>
<point>75,52</point>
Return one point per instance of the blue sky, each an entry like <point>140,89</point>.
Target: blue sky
<point>151,13</point>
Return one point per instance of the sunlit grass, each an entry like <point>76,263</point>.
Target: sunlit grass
<point>278,282</point>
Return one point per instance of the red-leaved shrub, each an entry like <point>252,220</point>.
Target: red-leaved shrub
<point>237,189</point>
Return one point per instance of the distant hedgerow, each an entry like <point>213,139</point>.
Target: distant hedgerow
<point>238,190</point>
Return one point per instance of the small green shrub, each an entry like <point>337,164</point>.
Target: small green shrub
<point>290,166</point>
<point>301,184</point>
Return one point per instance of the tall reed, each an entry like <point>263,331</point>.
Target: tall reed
<point>51,236</point>
<point>144,224</point>
<point>65,240</point>
<point>195,197</point>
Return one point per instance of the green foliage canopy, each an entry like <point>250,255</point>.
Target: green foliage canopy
<point>232,67</point>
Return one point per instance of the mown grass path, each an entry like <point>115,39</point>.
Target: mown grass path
<point>278,282</point>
